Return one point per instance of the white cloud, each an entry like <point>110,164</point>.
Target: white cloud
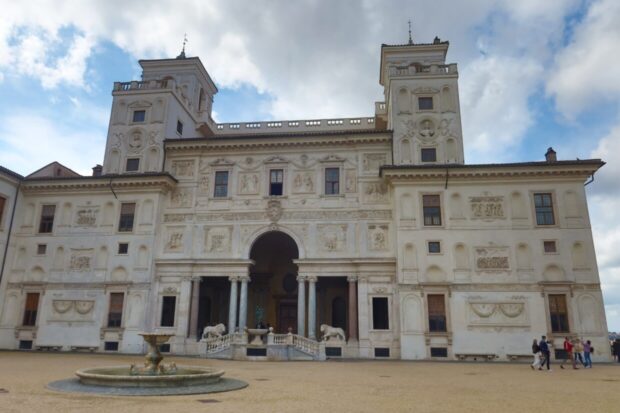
<point>31,141</point>
<point>588,69</point>
<point>494,104</point>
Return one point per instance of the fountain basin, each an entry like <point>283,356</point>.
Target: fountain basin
<point>120,376</point>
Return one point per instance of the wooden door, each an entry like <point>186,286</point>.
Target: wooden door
<point>287,318</point>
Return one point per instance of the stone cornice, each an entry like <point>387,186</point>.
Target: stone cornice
<point>119,183</point>
<point>268,141</point>
<point>571,170</point>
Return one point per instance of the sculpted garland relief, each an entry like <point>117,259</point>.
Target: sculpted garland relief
<point>72,310</point>
<point>378,237</point>
<point>494,314</point>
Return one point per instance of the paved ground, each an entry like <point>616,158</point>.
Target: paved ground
<point>332,386</point>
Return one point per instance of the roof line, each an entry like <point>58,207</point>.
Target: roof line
<point>106,176</point>
<point>10,172</point>
<point>598,162</point>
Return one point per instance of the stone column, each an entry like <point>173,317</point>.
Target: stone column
<point>232,308</point>
<point>312,307</point>
<point>352,313</point>
<point>301,306</point>
<point>193,316</point>
<point>243,304</point>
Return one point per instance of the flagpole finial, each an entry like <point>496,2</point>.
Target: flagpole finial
<point>182,54</point>
<point>410,39</point>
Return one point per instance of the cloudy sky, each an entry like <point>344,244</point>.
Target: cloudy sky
<point>533,74</point>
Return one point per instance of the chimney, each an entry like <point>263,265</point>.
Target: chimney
<point>550,156</point>
<point>97,170</point>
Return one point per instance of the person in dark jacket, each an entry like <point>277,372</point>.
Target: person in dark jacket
<point>544,349</point>
<point>616,348</point>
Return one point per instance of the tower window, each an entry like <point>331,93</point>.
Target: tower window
<point>123,248</point>
<point>332,181</point>
<point>431,205</point>
<point>543,204</point>
<point>41,249</point>
<point>139,116</point>
<point>133,164</point>
<point>47,219</point>
<point>221,184</point>
<point>429,155</point>
<point>425,103</point>
<point>550,247</point>
<point>179,127</point>
<point>115,311</point>
<point>31,309</point>
<point>125,222</point>
<point>436,313</point>
<point>276,179</point>
<point>434,247</point>
<point>558,313</point>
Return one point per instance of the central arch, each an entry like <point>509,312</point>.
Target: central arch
<point>272,295</point>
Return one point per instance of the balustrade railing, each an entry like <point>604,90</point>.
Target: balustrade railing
<point>141,85</point>
<point>224,342</point>
<point>306,344</point>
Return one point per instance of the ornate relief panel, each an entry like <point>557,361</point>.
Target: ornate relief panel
<point>303,182</point>
<point>375,192</point>
<point>181,198</point>
<point>183,169</point>
<point>249,183</point>
<point>86,216</point>
<point>218,239</point>
<point>378,237</point>
<point>372,161</point>
<point>174,240</point>
<point>350,181</point>
<point>497,314</point>
<point>332,237</point>
<point>81,260</point>
<point>487,207</point>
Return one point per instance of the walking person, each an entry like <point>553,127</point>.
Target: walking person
<point>617,349</point>
<point>577,350</point>
<point>546,353</point>
<point>568,353</point>
<point>536,351</point>
<point>587,351</point>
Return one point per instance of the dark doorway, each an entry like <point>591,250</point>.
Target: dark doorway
<point>339,313</point>
<point>272,296</point>
<point>213,303</point>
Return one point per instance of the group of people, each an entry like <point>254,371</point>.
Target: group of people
<point>574,350</point>
<point>615,349</point>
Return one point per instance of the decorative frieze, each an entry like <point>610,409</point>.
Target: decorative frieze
<point>287,216</point>
<point>303,183</point>
<point>174,242</point>
<point>181,198</point>
<point>248,183</point>
<point>378,237</point>
<point>487,207</point>
<point>218,239</point>
<point>81,260</point>
<point>492,259</point>
<point>375,192</point>
<point>66,310</point>
<point>183,168</point>
<point>86,216</point>
<point>371,162</point>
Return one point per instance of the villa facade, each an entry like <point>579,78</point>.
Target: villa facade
<point>375,225</point>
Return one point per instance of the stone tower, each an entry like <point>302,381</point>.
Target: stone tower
<point>422,103</point>
<point>173,100</point>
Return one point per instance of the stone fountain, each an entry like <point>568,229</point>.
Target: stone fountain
<point>153,373</point>
<point>154,378</point>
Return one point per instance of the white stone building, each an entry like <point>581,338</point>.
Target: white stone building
<point>374,224</point>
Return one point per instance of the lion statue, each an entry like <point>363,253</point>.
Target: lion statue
<point>213,331</point>
<point>329,332</point>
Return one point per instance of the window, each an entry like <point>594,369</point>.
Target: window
<point>110,346</point>
<point>550,247</point>
<point>123,248</point>
<point>167,311</point>
<point>431,205</point>
<point>425,103</point>
<point>332,181</point>
<point>30,311</point>
<point>125,223</point>
<point>139,115</point>
<point>179,127</point>
<point>115,312</point>
<point>434,247</point>
<point>380,314</point>
<point>429,155</point>
<point>133,164</point>
<point>439,352</point>
<point>558,313</point>
<point>221,184</point>
<point>276,178</point>
<point>544,209</point>
<point>436,313</point>
<point>41,249</point>
<point>2,204</point>
<point>47,219</point>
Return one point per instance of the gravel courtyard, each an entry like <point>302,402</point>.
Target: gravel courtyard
<point>332,386</point>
